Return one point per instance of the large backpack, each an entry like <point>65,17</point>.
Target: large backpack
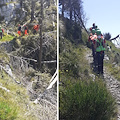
<point>100,45</point>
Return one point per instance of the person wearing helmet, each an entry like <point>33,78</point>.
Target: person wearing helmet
<point>26,30</point>
<point>35,28</point>
<point>100,48</point>
<point>19,30</point>
<point>92,38</point>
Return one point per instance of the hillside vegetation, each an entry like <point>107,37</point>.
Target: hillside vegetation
<point>81,96</point>
<point>23,85</point>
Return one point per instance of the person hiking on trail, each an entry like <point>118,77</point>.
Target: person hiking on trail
<point>35,28</point>
<point>1,32</point>
<point>92,41</point>
<point>19,30</point>
<point>100,48</point>
<point>26,30</point>
<point>93,38</point>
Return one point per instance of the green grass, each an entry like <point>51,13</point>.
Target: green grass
<point>7,38</point>
<point>14,102</point>
<point>114,56</point>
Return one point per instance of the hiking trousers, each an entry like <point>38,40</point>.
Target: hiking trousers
<point>99,60</point>
<point>19,33</point>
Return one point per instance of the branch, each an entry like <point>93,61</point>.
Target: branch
<point>114,38</point>
<point>3,88</point>
<point>23,58</point>
<point>81,22</point>
<point>53,61</point>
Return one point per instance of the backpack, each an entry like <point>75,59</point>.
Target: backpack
<point>100,45</point>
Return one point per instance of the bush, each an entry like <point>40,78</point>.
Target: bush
<point>70,64</point>
<point>86,101</point>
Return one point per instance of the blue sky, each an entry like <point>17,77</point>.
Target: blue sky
<point>105,13</point>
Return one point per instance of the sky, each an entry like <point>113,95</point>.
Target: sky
<point>105,14</point>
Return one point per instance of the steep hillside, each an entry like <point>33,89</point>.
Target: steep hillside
<point>24,93</point>
<point>83,94</point>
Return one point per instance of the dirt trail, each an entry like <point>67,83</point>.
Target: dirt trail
<point>112,84</point>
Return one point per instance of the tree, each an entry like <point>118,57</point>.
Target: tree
<point>62,4</point>
<point>21,3</point>
<point>75,11</point>
<point>107,36</point>
<point>40,34</point>
<point>32,9</point>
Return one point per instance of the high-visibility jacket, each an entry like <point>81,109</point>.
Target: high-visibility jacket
<point>100,45</point>
<point>35,27</point>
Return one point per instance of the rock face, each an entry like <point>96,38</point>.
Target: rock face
<point>112,84</point>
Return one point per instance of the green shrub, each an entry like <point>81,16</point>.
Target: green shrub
<point>86,101</point>
<point>7,37</point>
<point>70,64</point>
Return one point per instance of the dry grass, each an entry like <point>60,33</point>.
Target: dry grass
<point>25,109</point>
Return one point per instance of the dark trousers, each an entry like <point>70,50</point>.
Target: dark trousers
<point>99,61</point>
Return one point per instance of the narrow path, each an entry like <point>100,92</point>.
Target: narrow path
<point>112,84</point>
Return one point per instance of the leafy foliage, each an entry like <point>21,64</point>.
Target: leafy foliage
<point>114,57</point>
<point>73,32</point>
<point>107,36</point>
<point>86,101</point>
<point>7,37</point>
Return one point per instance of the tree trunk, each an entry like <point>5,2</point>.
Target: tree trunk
<point>32,10</point>
<point>40,34</point>
<point>21,3</point>
<point>70,6</point>
<point>63,7</point>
